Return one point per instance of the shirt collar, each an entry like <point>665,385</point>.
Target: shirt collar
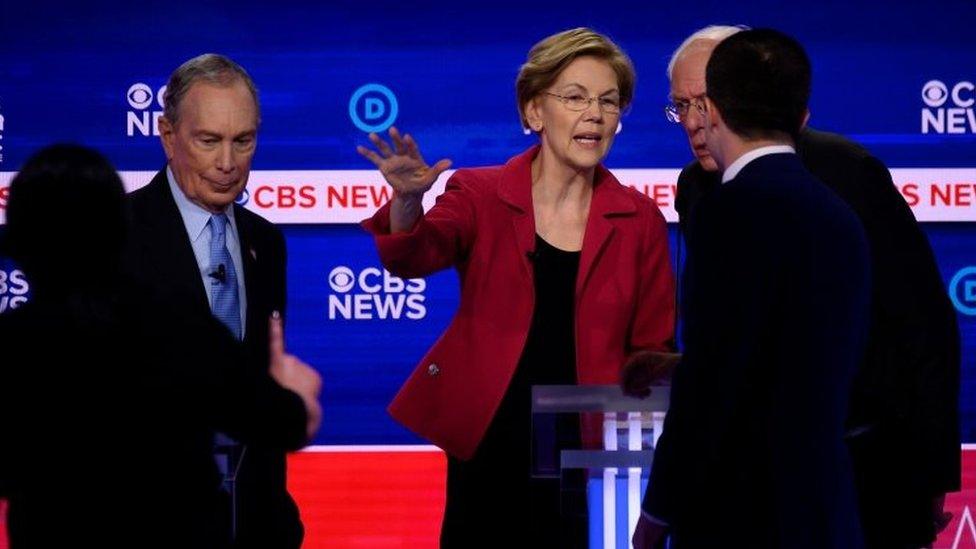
<point>735,167</point>
<point>194,216</point>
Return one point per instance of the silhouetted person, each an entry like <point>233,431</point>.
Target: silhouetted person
<point>109,397</point>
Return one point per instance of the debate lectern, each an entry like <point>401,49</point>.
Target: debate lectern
<point>612,472</point>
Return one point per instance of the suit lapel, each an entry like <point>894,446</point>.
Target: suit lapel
<point>609,199</point>
<point>166,242</point>
<point>249,258</point>
<point>515,190</point>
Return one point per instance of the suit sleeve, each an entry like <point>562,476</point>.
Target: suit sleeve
<point>723,301</point>
<point>693,183</point>
<point>280,281</point>
<point>652,327</point>
<point>242,399</point>
<point>914,343</point>
<point>439,239</point>
<point>251,406</point>
<point>258,410</point>
<point>686,194</point>
<point>7,407</point>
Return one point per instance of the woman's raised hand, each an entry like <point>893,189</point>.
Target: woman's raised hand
<point>403,166</point>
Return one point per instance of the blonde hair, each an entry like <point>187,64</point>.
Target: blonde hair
<point>548,58</point>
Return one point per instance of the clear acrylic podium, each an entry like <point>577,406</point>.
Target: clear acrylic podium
<point>616,468</point>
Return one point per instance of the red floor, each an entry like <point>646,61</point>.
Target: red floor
<point>381,500</point>
<point>354,498</point>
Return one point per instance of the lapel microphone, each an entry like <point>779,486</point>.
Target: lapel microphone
<point>219,274</point>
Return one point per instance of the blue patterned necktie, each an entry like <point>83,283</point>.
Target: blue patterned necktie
<point>225,303</point>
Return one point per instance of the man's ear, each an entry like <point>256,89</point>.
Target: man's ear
<point>713,116</point>
<point>167,134</point>
<point>806,118</point>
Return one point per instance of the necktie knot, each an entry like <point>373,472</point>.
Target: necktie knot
<point>218,224</point>
<point>225,302</point>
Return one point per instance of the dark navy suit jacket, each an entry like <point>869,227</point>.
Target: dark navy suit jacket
<point>904,409</point>
<point>775,300</point>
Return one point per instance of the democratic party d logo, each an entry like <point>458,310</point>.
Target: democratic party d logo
<point>373,108</point>
<point>962,291</point>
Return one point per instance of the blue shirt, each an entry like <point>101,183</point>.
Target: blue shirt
<point>195,219</point>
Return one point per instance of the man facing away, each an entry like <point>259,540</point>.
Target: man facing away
<point>775,296</point>
<point>904,404</point>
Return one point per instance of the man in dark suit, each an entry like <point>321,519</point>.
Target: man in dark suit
<point>903,428</point>
<point>775,296</point>
<point>111,396</point>
<point>196,246</point>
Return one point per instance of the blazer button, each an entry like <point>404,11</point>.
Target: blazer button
<point>433,370</point>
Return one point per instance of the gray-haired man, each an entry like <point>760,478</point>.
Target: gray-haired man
<point>192,244</point>
<point>903,423</point>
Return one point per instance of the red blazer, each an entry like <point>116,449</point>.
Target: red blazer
<point>484,226</point>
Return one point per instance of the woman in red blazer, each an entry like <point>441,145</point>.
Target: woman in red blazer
<point>565,276</point>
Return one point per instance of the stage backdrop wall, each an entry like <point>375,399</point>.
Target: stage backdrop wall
<point>897,77</point>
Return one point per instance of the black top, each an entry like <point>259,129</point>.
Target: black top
<point>493,495</point>
<point>549,356</point>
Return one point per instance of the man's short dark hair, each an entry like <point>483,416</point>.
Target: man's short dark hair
<point>760,81</point>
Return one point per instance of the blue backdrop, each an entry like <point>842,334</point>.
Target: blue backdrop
<point>91,73</point>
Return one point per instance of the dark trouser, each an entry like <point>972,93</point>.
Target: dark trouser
<point>894,515</point>
<point>488,508</point>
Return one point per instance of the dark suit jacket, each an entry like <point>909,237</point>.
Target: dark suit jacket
<point>110,401</point>
<point>907,389</point>
<point>161,256</point>
<point>775,297</point>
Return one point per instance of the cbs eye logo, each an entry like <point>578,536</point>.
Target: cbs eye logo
<point>140,120</point>
<point>141,96</point>
<point>375,294</point>
<point>342,279</point>
<point>934,93</point>
<point>948,110</point>
<point>243,198</point>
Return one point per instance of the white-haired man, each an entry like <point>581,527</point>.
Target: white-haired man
<point>903,425</point>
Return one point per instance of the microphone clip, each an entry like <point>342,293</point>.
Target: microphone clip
<point>219,274</point>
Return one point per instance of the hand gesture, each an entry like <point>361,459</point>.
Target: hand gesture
<point>940,516</point>
<point>648,534</point>
<point>293,374</point>
<point>403,167</point>
<point>646,368</point>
